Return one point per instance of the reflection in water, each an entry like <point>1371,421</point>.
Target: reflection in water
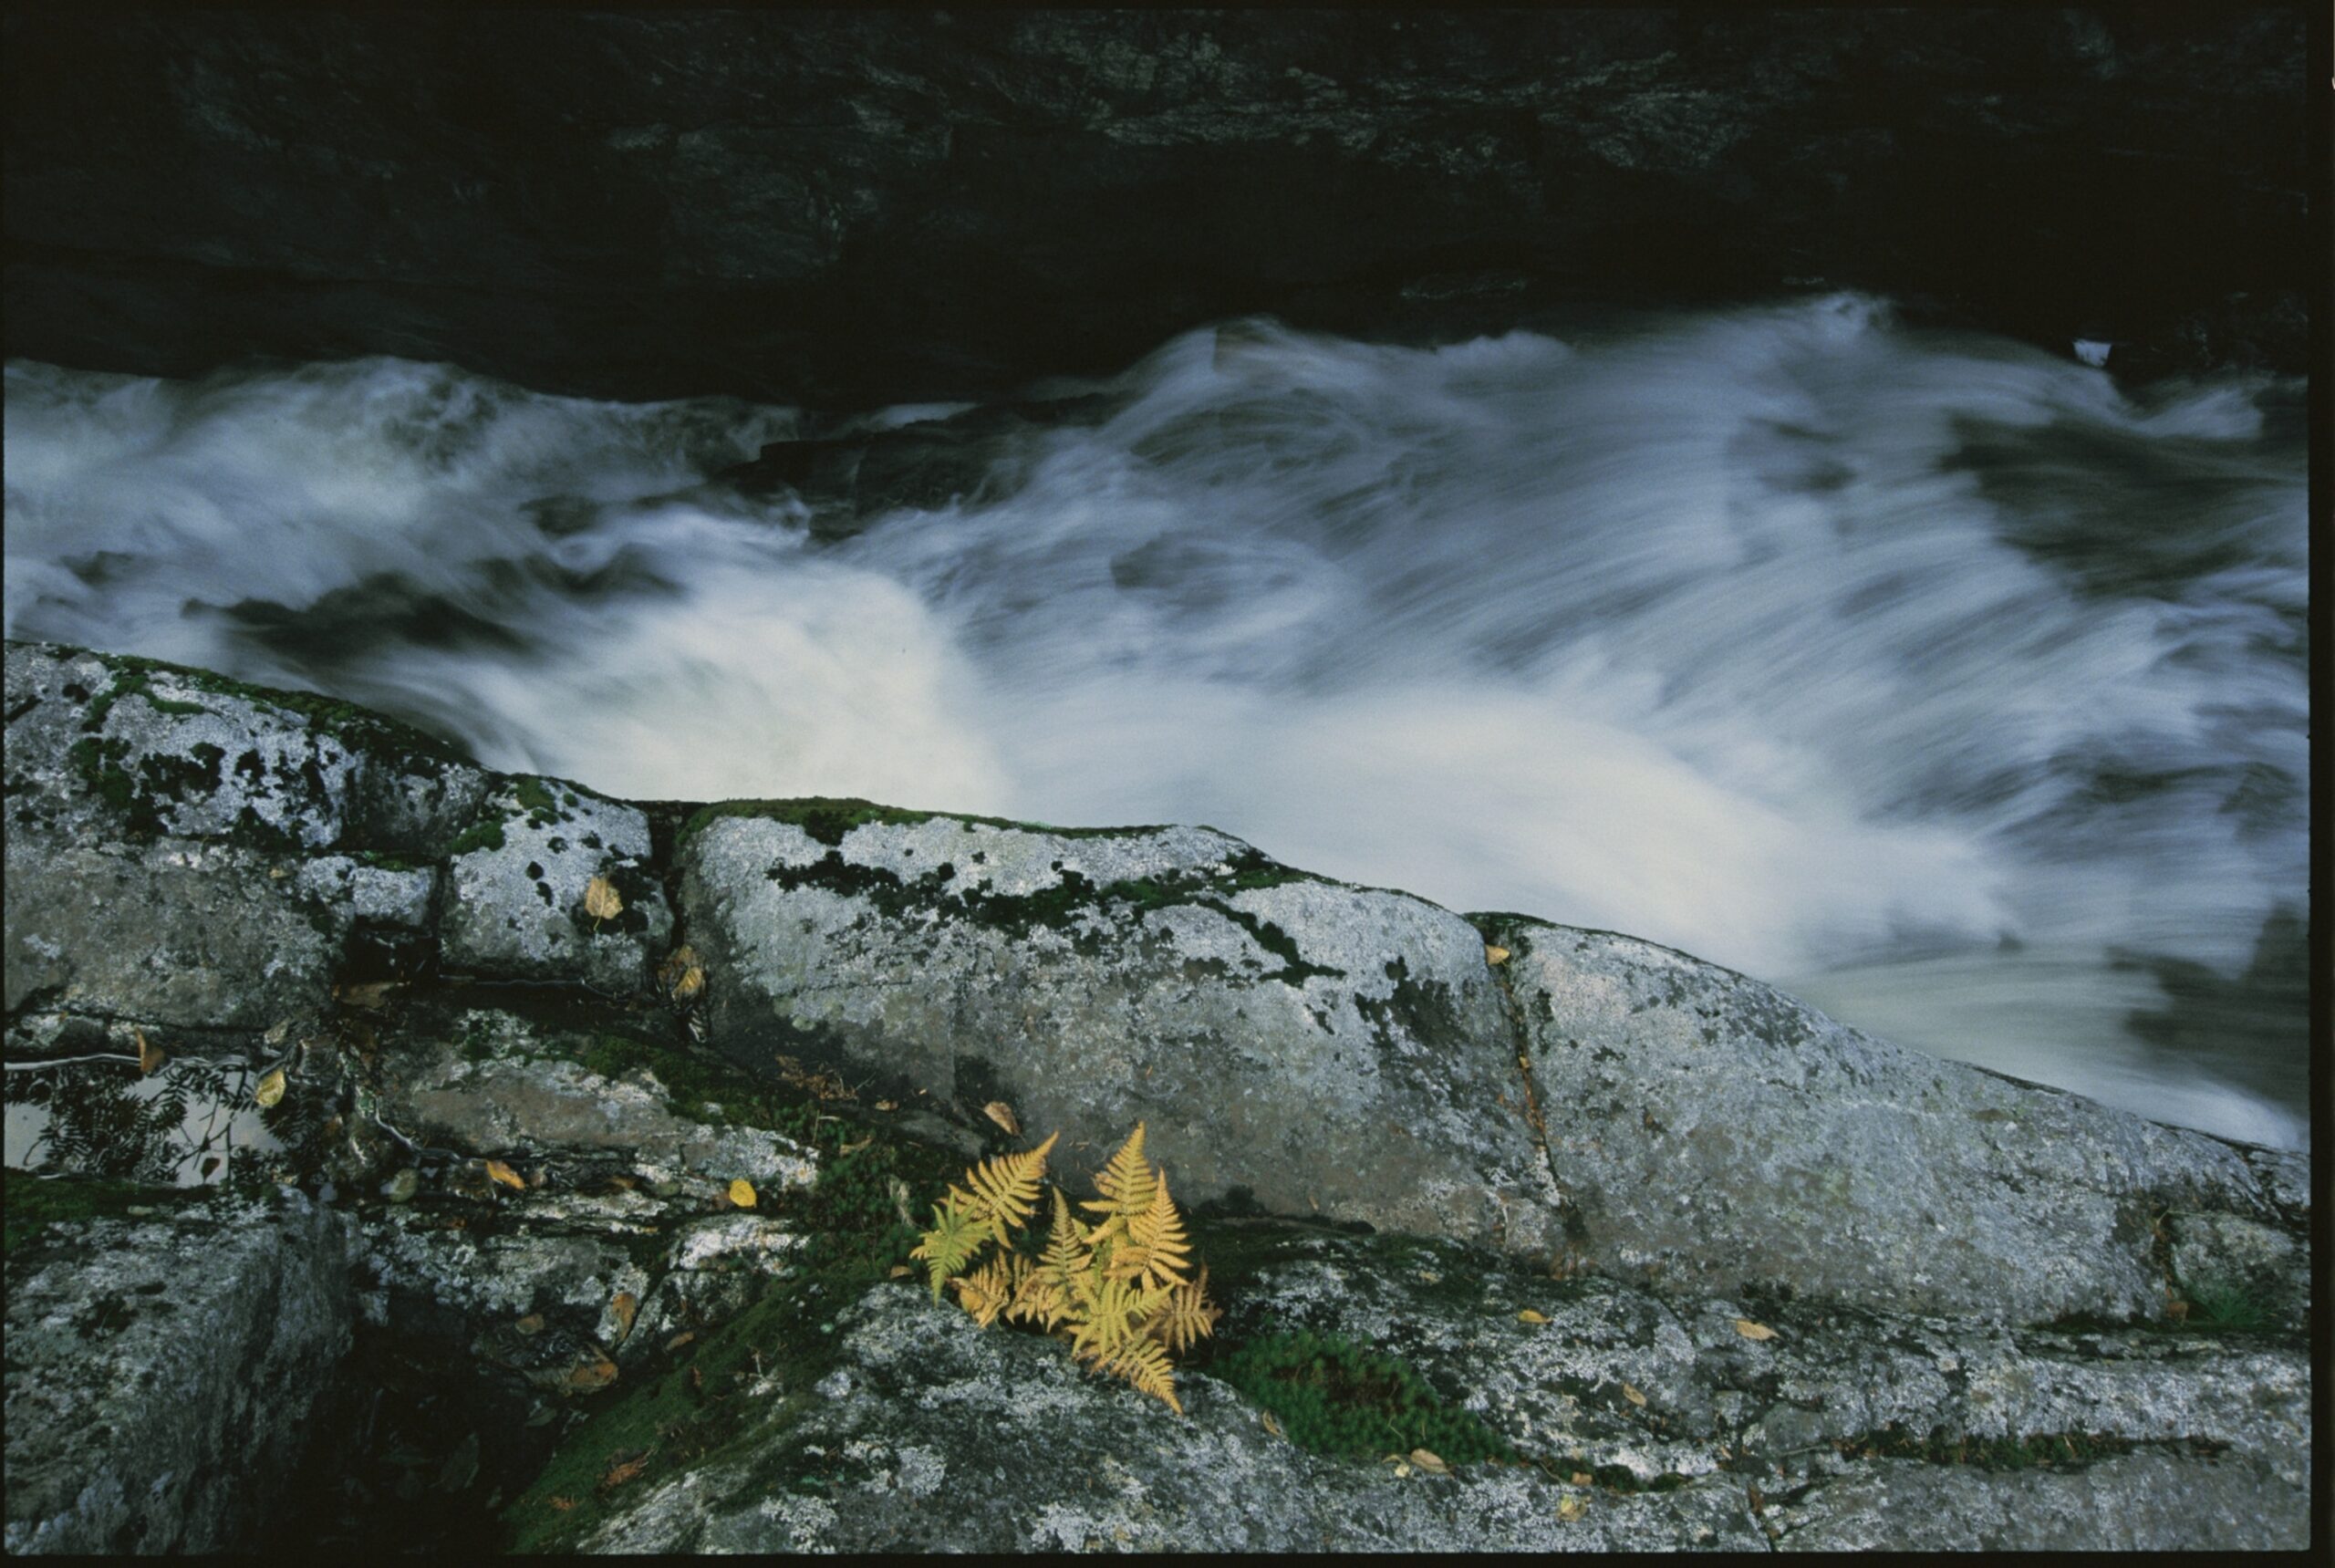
<point>1931,677</point>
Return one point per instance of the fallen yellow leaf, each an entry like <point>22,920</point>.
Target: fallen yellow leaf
<point>624,1308</point>
<point>1001,1114</point>
<point>1631,1394</point>
<point>692,981</point>
<point>1571,1508</point>
<point>901,1271</point>
<point>1271,1425</point>
<point>620,1473</point>
<point>498,1171</point>
<point>1749,1330</point>
<point>271,1087</point>
<point>531,1325</point>
<point>1495,955</point>
<point>742,1193</point>
<point>600,899</point>
<point>596,1373</point>
<point>150,1055</point>
<point>1529,1316</point>
<point>1582,1478</point>
<point>1430,1463</point>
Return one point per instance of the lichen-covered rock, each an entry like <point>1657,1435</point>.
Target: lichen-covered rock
<point>107,746</point>
<point>516,899</point>
<point>1290,1042</point>
<point>200,935</point>
<point>931,1434</point>
<point>1639,1421</point>
<point>187,850</point>
<point>162,1373</point>
<point>1713,1133</point>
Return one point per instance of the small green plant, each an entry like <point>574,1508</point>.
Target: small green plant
<point>1331,1396</point>
<point>1116,1288</point>
<point>2231,1308</point>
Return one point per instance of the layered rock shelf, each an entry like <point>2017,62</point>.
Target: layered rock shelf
<point>463,1070</point>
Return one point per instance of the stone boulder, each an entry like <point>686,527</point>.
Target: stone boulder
<point>1710,1133</point>
<point>164,1361</point>
<point>1290,1042</point>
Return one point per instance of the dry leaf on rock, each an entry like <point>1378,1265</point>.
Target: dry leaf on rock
<point>601,900</point>
<point>1529,1316</point>
<point>531,1325</point>
<point>1430,1463</point>
<point>498,1171</point>
<point>1001,1114</point>
<point>1495,955</point>
<point>680,1340</point>
<point>367,996</point>
<point>1631,1394</point>
<point>597,1372</point>
<point>742,1193</point>
<point>150,1055</point>
<point>271,1087</point>
<point>624,1308</point>
<point>1749,1330</point>
<point>1571,1508</point>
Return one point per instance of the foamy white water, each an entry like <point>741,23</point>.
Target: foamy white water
<point>1931,676</point>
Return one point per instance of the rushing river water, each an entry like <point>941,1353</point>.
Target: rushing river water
<point>1931,677</point>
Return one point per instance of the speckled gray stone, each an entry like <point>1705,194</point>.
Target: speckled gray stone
<point>1713,1133</point>
<point>179,931</point>
<point>1329,1049</point>
<point>515,909</point>
<point>162,1373</point>
<point>1735,1436</point>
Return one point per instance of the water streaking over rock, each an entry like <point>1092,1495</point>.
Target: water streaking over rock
<point>1938,679</point>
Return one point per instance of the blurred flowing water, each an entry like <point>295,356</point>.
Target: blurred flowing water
<point>1931,677</point>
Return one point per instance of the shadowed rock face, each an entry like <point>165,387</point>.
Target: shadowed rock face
<point>849,207</point>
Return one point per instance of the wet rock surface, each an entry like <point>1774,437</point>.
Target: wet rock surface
<point>846,209</point>
<point>602,1243</point>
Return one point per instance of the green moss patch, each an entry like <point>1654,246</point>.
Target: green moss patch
<point>1332,1396</point>
<point>828,818</point>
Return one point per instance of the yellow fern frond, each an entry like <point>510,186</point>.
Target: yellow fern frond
<point>987,1290</point>
<point>1113,1310</point>
<point>956,1235</point>
<point>1144,1363</point>
<point>1186,1316</point>
<point>1158,1249</point>
<point>1006,1187</point>
<point>1126,1183</point>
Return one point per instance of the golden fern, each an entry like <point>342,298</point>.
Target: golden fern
<point>1155,1247</point>
<point>1126,1183</point>
<point>1003,1192</point>
<point>1186,1316</point>
<point>991,1288</point>
<point>1116,1288</point>
<point>1144,1363</point>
